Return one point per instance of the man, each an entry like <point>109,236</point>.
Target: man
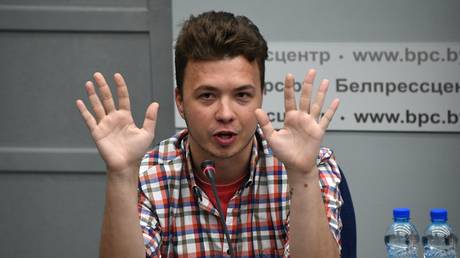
<point>267,180</point>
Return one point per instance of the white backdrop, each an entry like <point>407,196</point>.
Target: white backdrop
<point>382,86</point>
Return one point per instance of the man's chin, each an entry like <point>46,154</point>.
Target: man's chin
<point>223,155</point>
<point>228,152</point>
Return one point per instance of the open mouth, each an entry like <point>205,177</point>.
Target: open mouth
<point>225,137</point>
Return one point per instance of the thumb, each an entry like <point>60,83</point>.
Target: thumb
<point>264,123</point>
<point>150,120</point>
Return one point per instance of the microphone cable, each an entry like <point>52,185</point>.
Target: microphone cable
<point>208,169</point>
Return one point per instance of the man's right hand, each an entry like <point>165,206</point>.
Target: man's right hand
<point>120,142</point>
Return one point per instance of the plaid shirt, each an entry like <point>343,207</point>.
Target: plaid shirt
<point>177,218</point>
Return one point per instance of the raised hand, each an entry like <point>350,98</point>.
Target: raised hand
<point>297,143</point>
<point>120,142</point>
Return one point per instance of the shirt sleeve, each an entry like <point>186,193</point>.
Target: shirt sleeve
<point>149,221</point>
<point>151,229</point>
<point>329,180</point>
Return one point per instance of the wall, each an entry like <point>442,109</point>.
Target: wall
<point>52,180</point>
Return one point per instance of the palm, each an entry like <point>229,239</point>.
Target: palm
<point>120,142</point>
<point>299,138</point>
<point>297,143</point>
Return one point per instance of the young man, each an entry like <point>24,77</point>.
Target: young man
<point>267,180</point>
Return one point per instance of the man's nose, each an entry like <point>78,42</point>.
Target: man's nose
<point>224,111</point>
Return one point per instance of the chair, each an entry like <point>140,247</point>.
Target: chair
<point>347,213</point>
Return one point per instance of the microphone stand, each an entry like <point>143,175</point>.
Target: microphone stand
<point>207,167</point>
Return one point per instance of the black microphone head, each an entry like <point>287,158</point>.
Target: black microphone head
<point>207,167</point>
<point>207,163</point>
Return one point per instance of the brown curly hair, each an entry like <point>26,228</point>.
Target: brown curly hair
<point>216,35</point>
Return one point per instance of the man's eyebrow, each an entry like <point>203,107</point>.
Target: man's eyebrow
<point>245,87</point>
<point>205,87</point>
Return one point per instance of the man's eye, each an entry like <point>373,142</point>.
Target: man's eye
<point>243,95</point>
<point>206,96</point>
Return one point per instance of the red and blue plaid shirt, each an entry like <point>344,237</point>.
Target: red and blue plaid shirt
<point>177,218</point>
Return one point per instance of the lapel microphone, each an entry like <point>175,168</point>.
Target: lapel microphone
<point>208,168</point>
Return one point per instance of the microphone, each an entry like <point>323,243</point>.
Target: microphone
<point>208,168</point>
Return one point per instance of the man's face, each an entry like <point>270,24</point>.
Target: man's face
<point>217,103</point>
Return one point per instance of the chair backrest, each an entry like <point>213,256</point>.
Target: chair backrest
<point>347,214</point>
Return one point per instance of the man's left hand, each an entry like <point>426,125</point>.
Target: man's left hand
<point>297,143</point>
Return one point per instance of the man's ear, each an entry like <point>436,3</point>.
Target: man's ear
<point>179,101</point>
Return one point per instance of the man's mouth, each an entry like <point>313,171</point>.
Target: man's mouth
<point>225,134</point>
<point>225,138</point>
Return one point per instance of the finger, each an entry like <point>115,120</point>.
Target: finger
<point>89,119</point>
<point>264,123</point>
<point>327,118</point>
<point>94,100</point>
<point>307,87</point>
<point>122,92</point>
<point>106,94</point>
<point>289,96</point>
<point>150,120</point>
<point>319,100</point>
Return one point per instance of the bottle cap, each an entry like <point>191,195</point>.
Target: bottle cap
<point>401,213</point>
<point>438,215</point>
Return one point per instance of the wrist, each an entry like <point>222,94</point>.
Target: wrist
<point>297,177</point>
<point>127,174</point>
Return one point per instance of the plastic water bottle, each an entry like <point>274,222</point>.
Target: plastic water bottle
<point>401,238</point>
<point>439,240</point>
